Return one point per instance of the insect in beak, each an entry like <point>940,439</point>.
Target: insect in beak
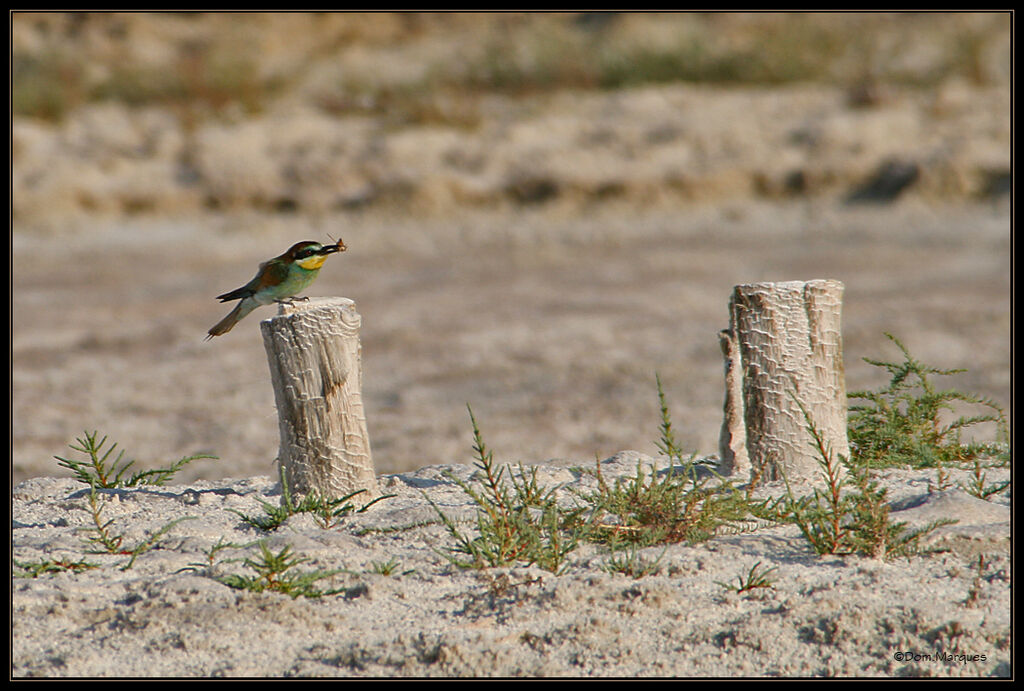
<point>338,246</point>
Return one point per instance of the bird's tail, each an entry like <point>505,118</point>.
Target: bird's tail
<point>234,316</point>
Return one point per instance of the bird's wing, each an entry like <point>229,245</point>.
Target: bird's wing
<point>270,273</point>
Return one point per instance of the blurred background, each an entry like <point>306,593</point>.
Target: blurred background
<point>542,211</point>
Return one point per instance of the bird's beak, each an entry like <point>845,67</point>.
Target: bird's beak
<point>331,249</point>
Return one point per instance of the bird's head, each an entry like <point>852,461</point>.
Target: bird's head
<point>310,254</point>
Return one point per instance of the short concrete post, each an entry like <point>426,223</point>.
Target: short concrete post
<point>783,345</point>
<point>316,369</point>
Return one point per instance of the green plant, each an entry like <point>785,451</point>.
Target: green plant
<point>211,555</point>
<point>901,425</point>
<point>755,579</point>
<point>385,568</point>
<point>109,543</point>
<point>974,593</point>
<point>326,512</point>
<point>662,506</point>
<point>34,569</point>
<point>667,443</point>
<point>274,572</point>
<point>519,522</point>
<point>942,480</point>
<point>99,472</point>
<point>514,524</point>
<point>629,562</point>
<point>855,521</point>
<point>871,531</point>
<point>821,516</point>
<point>978,483</point>
<point>677,504</point>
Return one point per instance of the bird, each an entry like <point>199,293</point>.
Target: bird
<point>279,279</point>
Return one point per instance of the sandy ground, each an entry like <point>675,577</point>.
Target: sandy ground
<point>167,615</point>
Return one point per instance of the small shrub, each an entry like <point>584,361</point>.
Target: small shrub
<point>900,425</point>
<point>652,507</point>
<point>275,572</point>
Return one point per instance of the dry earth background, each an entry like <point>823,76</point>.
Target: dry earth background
<point>541,212</point>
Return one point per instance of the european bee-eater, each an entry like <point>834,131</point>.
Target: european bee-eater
<point>277,280</point>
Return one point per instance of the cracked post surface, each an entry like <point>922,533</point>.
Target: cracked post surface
<point>315,359</point>
<point>784,340</point>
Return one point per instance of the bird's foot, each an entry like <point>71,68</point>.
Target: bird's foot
<point>292,300</point>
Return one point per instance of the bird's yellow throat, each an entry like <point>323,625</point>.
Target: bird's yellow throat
<point>314,262</point>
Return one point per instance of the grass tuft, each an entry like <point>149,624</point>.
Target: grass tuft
<point>653,507</point>
<point>385,568</point>
<point>756,578</point>
<point>629,562</point>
